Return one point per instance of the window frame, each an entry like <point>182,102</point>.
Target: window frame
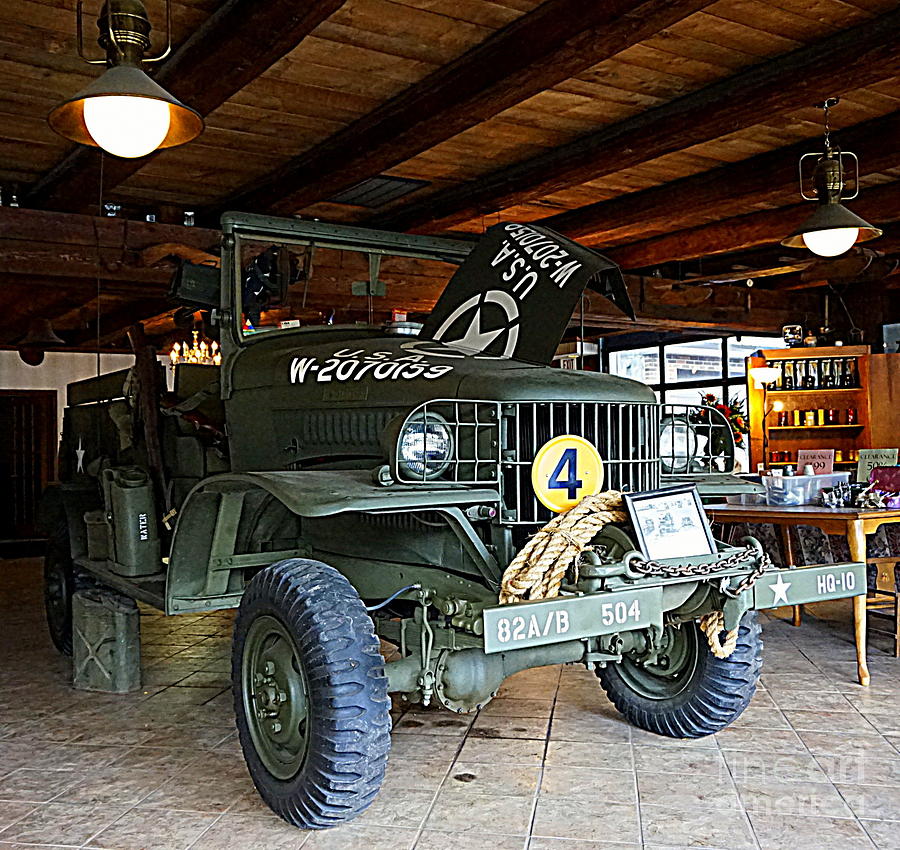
<point>725,384</point>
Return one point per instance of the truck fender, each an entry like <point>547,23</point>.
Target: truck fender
<point>316,494</point>
<point>205,571</point>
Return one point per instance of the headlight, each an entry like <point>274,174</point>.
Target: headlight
<point>425,446</point>
<point>679,444</point>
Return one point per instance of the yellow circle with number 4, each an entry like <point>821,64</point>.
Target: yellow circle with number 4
<point>565,470</point>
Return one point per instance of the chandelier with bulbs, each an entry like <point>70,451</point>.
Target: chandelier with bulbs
<point>200,351</point>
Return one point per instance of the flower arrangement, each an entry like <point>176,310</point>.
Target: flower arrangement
<point>733,411</point>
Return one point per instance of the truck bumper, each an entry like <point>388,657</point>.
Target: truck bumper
<point>565,618</point>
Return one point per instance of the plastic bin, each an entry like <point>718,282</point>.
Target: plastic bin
<point>746,499</point>
<point>800,489</point>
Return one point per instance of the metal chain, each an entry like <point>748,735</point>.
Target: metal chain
<point>750,553</point>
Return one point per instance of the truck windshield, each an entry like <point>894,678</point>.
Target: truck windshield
<point>289,284</point>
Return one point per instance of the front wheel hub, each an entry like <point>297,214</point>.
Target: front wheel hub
<point>276,697</point>
<point>670,672</point>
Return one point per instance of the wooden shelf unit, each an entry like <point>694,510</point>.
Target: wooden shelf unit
<point>812,427</point>
<point>877,403</point>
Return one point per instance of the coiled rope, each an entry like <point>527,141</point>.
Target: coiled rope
<point>711,625</point>
<point>538,570</point>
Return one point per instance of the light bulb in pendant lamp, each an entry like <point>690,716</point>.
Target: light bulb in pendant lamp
<point>832,229</point>
<point>124,112</point>
<point>127,126</point>
<point>830,243</point>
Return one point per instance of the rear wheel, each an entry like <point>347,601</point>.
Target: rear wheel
<point>688,692</point>
<point>310,694</point>
<point>59,584</point>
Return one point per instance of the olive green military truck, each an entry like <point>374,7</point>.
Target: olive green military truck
<point>346,485</point>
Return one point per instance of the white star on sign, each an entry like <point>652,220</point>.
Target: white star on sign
<point>476,339</point>
<point>780,589</point>
<point>79,456</point>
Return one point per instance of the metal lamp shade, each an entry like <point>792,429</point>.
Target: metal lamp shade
<point>764,375</point>
<point>67,119</point>
<point>831,216</point>
<point>41,334</point>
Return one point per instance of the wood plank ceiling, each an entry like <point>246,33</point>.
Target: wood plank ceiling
<point>660,131</point>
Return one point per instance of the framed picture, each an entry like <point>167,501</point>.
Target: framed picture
<point>670,523</point>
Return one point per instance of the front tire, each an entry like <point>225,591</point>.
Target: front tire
<point>310,694</point>
<point>59,585</point>
<point>694,694</point>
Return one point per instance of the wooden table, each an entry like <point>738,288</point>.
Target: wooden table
<point>853,523</point>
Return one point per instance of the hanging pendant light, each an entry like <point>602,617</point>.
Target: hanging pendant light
<point>832,229</point>
<point>124,111</point>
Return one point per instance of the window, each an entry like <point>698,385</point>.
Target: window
<point>680,372</point>
<point>693,361</point>
<point>639,364</point>
<point>693,368</point>
<point>692,395</point>
<point>740,348</point>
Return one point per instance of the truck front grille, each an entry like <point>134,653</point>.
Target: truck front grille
<point>626,436</point>
<point>495,443</point>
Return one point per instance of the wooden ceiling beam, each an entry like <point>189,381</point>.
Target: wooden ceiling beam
<point>101,233</point>
<point>114,323</point>
<point>722,192</point>
<point>848,60</point>
<point>671,305</point>
<point>237,43</point>
<point>877,204</point>
<point>556,41</point>
<point>60,278</point>
<point>21,305</point>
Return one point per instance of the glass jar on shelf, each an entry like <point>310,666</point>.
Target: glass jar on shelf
<point>788,381</point>
<point>811,378</point>
<point>849,373</point>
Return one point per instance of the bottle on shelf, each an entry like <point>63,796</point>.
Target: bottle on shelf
<point>811,379</point>
<point>851,374</point>
<point>787,380</point>
<point>826,373</point>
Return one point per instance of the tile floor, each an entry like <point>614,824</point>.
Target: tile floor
<point>813,764</point>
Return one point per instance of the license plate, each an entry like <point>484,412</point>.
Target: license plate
<point>570,618</point>
<point>809,584</point>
